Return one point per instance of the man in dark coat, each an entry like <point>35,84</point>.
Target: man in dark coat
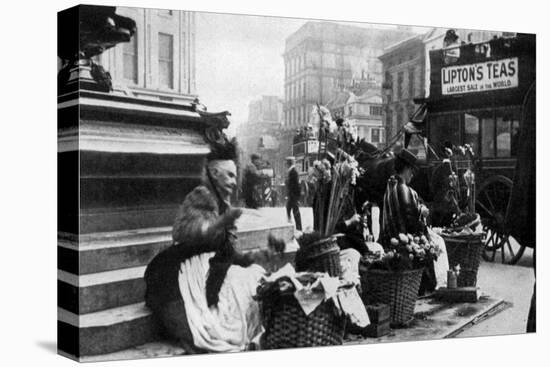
<point>252,179</point>
<point>201,288</point>
<point>293,192</point>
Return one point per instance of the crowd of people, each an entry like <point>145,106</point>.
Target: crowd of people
<point>201,289</point>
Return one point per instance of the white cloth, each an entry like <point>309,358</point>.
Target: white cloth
<point>235,321</point>
<point>353,306</point>
<point>349,299</point>
<point>349,261</point>
<point>441,265</point>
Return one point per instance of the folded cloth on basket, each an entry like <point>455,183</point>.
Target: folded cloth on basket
<point>321,288</point>
<point>310,296</point>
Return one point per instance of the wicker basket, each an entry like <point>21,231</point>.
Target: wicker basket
<point>287,326</point>
<point>320,256</point>
<point>398,289</point>
<point>465,251</point>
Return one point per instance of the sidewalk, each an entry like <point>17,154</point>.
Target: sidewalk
<point>513,284</point>
<point>503,309</point>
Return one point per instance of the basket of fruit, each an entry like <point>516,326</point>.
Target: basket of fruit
<point>393,277</point>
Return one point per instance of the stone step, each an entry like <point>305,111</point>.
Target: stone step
<point>106,323</point>
<point>105,331</point>
<point>433,321</point>
<point>100,291</point>
<point>101,252</point>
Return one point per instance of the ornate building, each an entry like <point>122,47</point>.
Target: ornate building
<point>403,66</point>
<point>363,108</point>
<point>159,61</point>
<point>323,58</point>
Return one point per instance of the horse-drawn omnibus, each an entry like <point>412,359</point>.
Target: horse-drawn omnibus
<point>305,148</point>
<point>477,94</point>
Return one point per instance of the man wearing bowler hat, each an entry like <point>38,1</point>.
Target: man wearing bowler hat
<point>293,192</point>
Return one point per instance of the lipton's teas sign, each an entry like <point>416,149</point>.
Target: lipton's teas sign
<point>480,77</point>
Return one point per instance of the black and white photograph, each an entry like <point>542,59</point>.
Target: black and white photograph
<point>232,183</point>
<point>270,184</point>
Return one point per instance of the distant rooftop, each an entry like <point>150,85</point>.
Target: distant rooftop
<point>401,44</point>
<point>345,35</point>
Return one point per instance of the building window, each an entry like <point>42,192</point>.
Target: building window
<point>166,60</point>
<point>399,85</point>
<point>399,112</point>
<point>411,83</point>
<point>488,136</point>
<point>389,118</point>
<point>166,13</point>
<point>350,110</point>
<point>376,110</point>
<point>304,89</point>
<point>507,133</point>
<point>388,86</point>
<point>375,135</point>
<point>444,130</point>
<point>471,131</point>
<point>130,60</point>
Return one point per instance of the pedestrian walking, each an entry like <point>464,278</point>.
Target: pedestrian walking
<point>293,192</point>
<point>252,180</point>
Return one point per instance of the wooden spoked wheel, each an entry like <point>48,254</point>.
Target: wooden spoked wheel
<point>491,204</point>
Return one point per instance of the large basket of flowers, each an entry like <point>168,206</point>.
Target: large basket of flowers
<point>393,277</point>
<point>288,326</point>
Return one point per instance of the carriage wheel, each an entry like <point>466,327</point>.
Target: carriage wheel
<point>491,204</point>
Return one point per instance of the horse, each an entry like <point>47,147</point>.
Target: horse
<point>435,186</point>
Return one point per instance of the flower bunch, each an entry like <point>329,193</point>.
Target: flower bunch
<point>344,175</point>
<point>405,252</point>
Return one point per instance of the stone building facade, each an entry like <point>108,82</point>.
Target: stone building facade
<point>260,134</point>
<point>321,58</point>
<point>363,108</point>
<point>404,68</point>
<point>159,61</point>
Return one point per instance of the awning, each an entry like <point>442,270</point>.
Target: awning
<point>416,124</point>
